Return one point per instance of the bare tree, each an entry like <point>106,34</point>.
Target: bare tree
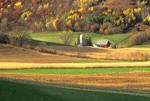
<point>67,38</point>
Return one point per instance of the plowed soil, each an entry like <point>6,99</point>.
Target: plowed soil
<point>128,81</point>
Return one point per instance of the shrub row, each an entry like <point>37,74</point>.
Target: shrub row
<point>15,38</point>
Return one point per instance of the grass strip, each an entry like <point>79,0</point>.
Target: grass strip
<point>77,71</point>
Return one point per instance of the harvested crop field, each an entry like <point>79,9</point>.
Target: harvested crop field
<point>102,53</point>
<point>130,80</point>
<point>10,53</point>
<point>62,54</point>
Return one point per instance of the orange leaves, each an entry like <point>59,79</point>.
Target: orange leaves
<point>8,6</point>
<point>0,15</point>
<point>144,2</point>
<point>1,9</point>
<point>81,10</point>
<point>1,3</point>
<point>92,27</point>
<point>34,1</point>
<point>69,23</point>
<point>106,31</point>
<point>101,30</point>
<point>91,9</point>
<point>76,24</point>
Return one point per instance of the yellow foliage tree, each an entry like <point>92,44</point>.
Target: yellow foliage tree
<point>147,19</point>
<point>26,15</point>
<point>55,23</point>
<point>18,4</point>
<point>69,23</point>
<point>81,10</point>
<point>46,5</point>
<point>91,9</point>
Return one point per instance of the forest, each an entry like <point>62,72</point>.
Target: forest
<point>73,15</point>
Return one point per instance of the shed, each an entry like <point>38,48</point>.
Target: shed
<point>103,43</point>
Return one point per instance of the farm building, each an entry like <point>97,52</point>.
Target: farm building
<point>102,43</point>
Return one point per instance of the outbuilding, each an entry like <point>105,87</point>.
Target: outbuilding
<point>103,43</point>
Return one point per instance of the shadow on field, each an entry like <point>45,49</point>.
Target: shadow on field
<point>77,49</point>
<point>45,43</point>
<point>22,91</point>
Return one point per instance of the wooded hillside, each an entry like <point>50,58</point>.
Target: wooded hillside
<point>102,16</point>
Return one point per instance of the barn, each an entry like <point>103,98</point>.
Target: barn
<point>103,43</point>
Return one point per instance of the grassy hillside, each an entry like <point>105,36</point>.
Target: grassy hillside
<point>15,91</point>
<point>54,37</point>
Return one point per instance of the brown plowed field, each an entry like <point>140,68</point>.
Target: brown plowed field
<point>130,81</point>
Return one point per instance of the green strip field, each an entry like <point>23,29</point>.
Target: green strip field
<point>76,71</point>
<point>15,91</point>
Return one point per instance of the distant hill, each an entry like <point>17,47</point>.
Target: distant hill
<point>102,16</point>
